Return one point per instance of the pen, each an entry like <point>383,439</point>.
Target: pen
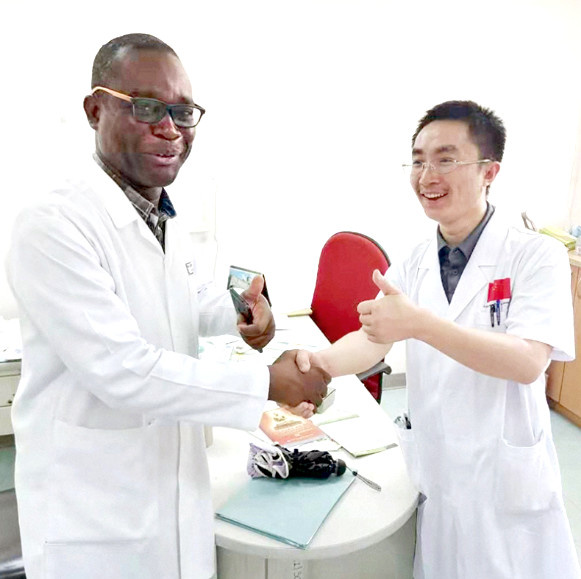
<point>492,315</point>
<point>498,311</point>
<point>367,481</point>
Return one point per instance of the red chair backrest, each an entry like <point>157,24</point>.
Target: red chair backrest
<point>343,280</point>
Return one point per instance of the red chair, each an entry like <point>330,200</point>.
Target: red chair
<point>343,280</point>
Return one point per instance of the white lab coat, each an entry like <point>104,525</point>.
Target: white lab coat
<point>480,449</point>
<point>111,473</point>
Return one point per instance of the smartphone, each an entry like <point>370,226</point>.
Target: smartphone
<point>327,401</point>
<point>241,306</point>
<point>240,277</point>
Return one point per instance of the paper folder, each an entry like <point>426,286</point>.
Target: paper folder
<point>290,510</point>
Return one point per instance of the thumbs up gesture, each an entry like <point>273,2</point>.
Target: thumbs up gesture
<point>391,318</point>
<point>261,330</point>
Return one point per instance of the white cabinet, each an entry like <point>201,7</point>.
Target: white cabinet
<point>9,378</point>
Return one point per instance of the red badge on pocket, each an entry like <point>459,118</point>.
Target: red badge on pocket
<point>498,292</point>
<point>499,289</point>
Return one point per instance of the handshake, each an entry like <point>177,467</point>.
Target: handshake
<point>295,378</point>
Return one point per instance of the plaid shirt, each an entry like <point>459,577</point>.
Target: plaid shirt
<point>154,217</point>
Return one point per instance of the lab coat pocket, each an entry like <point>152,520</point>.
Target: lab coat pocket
<point>95,560</point>
<point>525,481</point>
<point>409,449</point>
<point>102,483</point>
<point>487,320</point>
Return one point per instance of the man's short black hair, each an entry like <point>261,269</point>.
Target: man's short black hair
<point>485,127</point>
<point>103,63</point>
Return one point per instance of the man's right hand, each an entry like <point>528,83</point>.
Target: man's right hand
<point>306,359</point>
<point>291,386</point>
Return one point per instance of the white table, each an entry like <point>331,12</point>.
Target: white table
<point>367,535</point>
<point>9,378</point>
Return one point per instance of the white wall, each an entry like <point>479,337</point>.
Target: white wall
<point>311,106</point>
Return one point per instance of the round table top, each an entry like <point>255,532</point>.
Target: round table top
<point>361,518</point>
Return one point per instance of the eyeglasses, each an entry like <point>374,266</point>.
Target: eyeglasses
<point>441,166</point>
<point>151,111</point>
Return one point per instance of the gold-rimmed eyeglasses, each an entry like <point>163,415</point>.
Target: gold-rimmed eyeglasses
<point>441,166</point>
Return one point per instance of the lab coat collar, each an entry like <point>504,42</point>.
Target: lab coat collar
<point>479,271</point>
<point>117,204</point>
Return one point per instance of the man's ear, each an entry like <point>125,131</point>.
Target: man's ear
<point>491,172</point>
<point>92,110</point>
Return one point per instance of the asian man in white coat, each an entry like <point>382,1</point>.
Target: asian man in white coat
<point>111,473</point>
<point>483,307</point>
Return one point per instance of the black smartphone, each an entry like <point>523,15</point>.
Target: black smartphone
<point>240,278</point>
<point>241,306</point>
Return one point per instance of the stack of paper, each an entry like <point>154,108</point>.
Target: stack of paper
<point>10,340</point>
<point>361,436</point>
<point>565,238</point>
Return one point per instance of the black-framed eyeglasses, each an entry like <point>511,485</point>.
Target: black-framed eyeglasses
<point>151,111</point>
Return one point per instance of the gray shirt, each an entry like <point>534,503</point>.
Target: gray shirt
<point>453,260</point>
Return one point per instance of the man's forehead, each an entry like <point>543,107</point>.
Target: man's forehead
<point>131,56</point>
<point>141,71</point>
<point>438,149</point>
<point>443,136</point>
